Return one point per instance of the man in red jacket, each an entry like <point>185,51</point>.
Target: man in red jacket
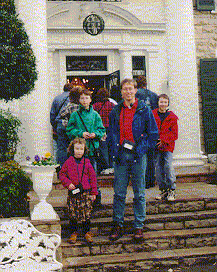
<point>168,131</point>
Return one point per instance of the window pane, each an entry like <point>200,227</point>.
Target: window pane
<point>86,63</point>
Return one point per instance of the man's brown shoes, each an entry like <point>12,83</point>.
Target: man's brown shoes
<point>116,233</point>
<point>138,235</point>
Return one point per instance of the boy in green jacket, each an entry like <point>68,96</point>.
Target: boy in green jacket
<point>87,123</point>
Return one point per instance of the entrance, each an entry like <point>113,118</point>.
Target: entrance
<point>94,83</point>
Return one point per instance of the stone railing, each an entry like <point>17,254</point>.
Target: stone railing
<point>24,248</point>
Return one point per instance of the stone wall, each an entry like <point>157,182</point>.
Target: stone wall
<point>205,24</point>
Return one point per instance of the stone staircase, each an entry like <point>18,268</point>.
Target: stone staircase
<point>176,234</point>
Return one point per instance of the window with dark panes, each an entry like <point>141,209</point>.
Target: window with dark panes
<point>208,74</point>
<point>205,5</point>
<point>138,65</point>
<point>86,63</point>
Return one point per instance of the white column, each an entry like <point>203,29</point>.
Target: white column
<point>34,109</point>
<point>126,64</point>
<point>183,86</point>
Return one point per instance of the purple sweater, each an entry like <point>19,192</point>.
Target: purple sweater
<point>71,173</point>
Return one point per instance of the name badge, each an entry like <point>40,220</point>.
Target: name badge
<point>76,191</point>
<point>128,146</point>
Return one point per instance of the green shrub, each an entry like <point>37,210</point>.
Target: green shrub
<point>14,186</point>
<point>9,138</point>
<point>17,61</point>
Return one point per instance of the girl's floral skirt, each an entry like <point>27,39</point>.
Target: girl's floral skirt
<point>80,206</point>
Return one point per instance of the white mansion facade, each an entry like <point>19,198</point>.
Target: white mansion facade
<point>160,33</point>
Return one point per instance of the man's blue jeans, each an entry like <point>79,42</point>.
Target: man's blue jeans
<point>124,168</point>
<point>165,174</point>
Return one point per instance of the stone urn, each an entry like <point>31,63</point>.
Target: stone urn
<point>42,177</point>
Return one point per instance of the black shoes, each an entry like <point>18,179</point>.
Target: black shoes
<point>116,233</point>
<point>138,235</point>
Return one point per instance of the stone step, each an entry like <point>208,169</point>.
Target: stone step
<point>184,174</point>
<point>158,240</point>
<point>154,208</point>
<point>189,197</point>
<point>138,261</point>
<point>172,221</point>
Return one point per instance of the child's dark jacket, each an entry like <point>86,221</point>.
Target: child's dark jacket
<point>71,173</point>
<point>168,130</point>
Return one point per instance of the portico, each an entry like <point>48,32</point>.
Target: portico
<point>161,31</point>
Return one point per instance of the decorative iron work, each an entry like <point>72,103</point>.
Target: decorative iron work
<point>86,63</point>
<point>93,24</point>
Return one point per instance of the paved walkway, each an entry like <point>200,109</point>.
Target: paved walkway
<point>183,191</point>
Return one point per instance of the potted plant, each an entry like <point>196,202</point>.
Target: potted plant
<point>42,176</point>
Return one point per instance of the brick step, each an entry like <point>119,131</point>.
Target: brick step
<point>107,181</point>
<point>154,208</point>
<point>184,174</point>
<point>173,221</point>
<point>159,240</point>
<point>187,199</point>
<point>140,260</point>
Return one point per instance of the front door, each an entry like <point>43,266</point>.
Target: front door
<point>113,85</point>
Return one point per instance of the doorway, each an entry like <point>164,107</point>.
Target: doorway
<point>94,83</point>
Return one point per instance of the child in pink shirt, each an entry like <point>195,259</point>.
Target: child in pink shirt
<point>77,174</point>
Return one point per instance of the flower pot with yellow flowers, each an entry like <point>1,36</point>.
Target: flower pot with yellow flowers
<point>43,170</point>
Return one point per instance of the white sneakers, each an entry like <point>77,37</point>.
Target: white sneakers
<point>162,195</point>
<point>108,171</point>
<point>166,194</point>
<point>171,195</point>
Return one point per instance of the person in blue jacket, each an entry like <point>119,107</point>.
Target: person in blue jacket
<point>151,99</point>
<point>132,133</point>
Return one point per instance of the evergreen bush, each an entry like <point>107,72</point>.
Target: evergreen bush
<point>14,186</point>
<point>17,61</point>
<point>9,138</point>
<point>17,78</point>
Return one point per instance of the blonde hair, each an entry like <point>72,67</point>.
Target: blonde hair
<point>129,81</point>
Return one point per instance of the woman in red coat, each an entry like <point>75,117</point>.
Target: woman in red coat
<point>168,131</point>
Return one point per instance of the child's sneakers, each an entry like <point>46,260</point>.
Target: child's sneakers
<point>171,195</point>
<point>162,195</point>
<point>73,238</point>
<point>88,237</point>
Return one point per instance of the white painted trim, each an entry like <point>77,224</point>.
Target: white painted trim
<point>157,27</point>
<point>151,48</point>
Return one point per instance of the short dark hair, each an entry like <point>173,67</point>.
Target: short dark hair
<point>74,94</point>
<point>102,95</point>
<point>70,149</point>
<point>141,82</point>
<point>86,92</point>
<point>129,81</point>
<point>67,87</point>
<point>165,96</point>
